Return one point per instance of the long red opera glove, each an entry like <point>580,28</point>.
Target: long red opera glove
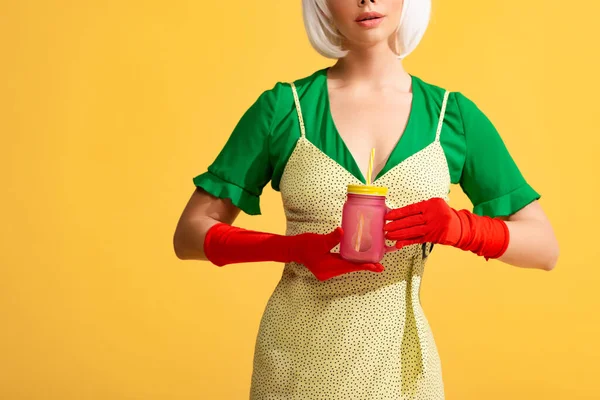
<point>434,221</point>
<point>226,244</point>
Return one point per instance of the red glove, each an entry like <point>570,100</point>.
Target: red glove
<point>226,244</point>
<point>433,221</point>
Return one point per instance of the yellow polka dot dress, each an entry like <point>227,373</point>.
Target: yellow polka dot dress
<point>360,335</point>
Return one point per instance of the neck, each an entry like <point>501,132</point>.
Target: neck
<point>373,66</point>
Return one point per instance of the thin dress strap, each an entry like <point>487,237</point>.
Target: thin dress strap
<point>298,109</point>
<point>442,113</point>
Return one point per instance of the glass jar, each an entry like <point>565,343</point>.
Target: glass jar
<point>363,218</point>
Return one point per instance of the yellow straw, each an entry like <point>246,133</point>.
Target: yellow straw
<point>359,230</point>
<point>370,170</point>
<point>361,220</point>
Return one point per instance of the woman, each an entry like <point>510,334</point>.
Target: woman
<point>333,329</point>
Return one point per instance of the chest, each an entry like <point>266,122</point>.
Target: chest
<point>314,186</point>
<point>370,120</point>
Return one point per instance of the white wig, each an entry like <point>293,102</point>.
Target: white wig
<point>326,40</point>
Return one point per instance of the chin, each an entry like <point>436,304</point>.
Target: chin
<point>370,40</point>
<point>371,37</point>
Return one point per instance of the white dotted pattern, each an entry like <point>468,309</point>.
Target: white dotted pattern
<point>361,335</point>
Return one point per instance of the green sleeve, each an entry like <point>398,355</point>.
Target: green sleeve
<point>243,167</point>
<point>490,177</point>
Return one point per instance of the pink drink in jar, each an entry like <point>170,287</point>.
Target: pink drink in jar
<point>363,217</point>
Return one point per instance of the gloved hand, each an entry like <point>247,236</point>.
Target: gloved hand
<point>434,221</point>
<point>226,244</point>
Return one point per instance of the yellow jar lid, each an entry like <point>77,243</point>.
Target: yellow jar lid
<point>367,190</point>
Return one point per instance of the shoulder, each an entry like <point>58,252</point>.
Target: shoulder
<point>312,80</point>
<point>434,93</point>
<point>302,84</point>
<point>429,90</point>
<point>459,108</point>
<point>309,88</point>
<point>276,103</point>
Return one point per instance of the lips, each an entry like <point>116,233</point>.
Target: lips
<point>368,16</point>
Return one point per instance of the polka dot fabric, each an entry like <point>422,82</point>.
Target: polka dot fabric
<point>361,335</point>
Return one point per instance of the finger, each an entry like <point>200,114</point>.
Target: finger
<point>438,202</point>
<point>406,222</point>
<point>406,211</point>
<point>375,267</point>
<point>333,238</point>
<point>338,263</point>
<point>390,249</point>
<point>379,267</point>
<point>414,232</point>
<point>403,243</point>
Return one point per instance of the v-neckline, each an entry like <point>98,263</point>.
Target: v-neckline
<point>397,147</point>
<point>414,155</point>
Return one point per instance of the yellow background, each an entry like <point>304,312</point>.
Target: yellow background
<point>107,111</point>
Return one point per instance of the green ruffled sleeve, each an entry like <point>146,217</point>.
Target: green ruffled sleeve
<point>243,167</point>
<point>490,177</point>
